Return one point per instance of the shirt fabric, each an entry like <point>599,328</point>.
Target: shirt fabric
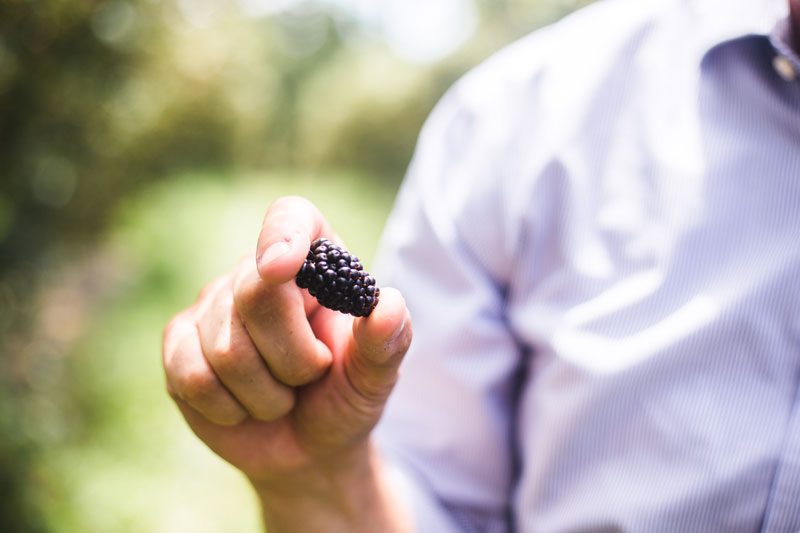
<point>599,242</point>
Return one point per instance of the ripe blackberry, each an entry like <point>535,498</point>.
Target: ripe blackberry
<point>337,279</point>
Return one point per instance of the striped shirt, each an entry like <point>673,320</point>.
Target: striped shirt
<point>599,242</point>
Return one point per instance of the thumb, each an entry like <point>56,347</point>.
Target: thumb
<point>379,343</point>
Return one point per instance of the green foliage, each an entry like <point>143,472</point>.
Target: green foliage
<point>125,129</point>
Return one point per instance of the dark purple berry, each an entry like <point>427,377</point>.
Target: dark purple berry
<point>337,279</point>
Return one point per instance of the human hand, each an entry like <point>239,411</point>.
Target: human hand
<point>285,390</point>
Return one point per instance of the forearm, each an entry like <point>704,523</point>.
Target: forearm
<point>352,496</point>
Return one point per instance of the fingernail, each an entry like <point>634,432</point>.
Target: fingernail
<point>274,251</point>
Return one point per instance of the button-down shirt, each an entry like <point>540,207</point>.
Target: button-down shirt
<point>599,242</point>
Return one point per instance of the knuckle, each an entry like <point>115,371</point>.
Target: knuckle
<point>373,387</point>
<point>209,289</point>
<point>169,330</point>
<point>362,404</point>
<point>297,373</point>
<point>227,357</point>
<point>175,330</point>
<point>378,393</point>
<point>169,337</point>
<point>198,386</point>
<point>275,408</point>
<point>248,295</point>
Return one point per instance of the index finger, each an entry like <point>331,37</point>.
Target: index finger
<point>289,227</point>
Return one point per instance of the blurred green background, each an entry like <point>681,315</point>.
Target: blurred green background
<point>140,143</point>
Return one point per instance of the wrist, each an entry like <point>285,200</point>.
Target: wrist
<point>348,494</point>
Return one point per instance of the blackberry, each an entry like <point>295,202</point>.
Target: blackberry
<point>337,280</point>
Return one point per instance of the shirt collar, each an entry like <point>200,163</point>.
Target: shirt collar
<point>720,21</point>
<point>725,20</point>
<point>780,37</point>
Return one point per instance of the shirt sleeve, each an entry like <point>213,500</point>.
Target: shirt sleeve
<point>448,246</point>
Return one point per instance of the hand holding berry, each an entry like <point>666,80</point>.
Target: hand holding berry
<point>283,388</point>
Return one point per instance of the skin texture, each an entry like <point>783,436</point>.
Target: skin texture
<point>288,391</point>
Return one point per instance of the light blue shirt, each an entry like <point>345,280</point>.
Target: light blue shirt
<point>599,242</point>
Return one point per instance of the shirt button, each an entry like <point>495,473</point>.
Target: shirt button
<point>784,67</point>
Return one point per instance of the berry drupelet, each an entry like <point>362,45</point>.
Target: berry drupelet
<point>337,279</point>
